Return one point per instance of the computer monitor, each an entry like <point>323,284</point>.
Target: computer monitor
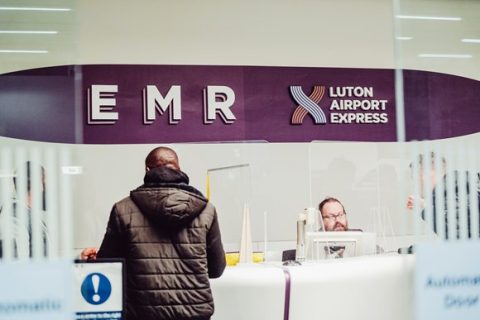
<point>339,244</point>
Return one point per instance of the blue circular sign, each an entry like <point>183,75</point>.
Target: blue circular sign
<point>96,288</point>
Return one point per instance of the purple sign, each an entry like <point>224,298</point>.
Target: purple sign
<point>244,103</point>
<point>439,106</point>
<point>117,104</point>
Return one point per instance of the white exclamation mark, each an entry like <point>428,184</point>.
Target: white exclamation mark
<point>95,282</point>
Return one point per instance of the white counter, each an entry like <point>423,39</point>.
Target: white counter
<point>249,292</point>
<point>373,287</point>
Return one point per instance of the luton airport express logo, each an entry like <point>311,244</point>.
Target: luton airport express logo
<point>345,105</point>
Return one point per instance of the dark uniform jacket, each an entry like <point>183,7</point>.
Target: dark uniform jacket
<point>169,236</point>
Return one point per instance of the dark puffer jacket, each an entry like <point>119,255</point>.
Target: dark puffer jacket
<point>168,234</point>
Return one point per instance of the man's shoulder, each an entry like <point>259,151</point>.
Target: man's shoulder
<point>125,205</point>
<point>127,199</point>
<point>208,213</point>
<point>209,208</point>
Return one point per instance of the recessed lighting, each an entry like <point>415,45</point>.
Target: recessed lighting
<point>429,18</point>
<point>404,38</point>
<point>471,40</point>
<point>34,9</point>
<point>22,51</point>
<point>27,32</point>
<point>444,55</point>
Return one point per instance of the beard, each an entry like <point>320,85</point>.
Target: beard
<point>339,226</point>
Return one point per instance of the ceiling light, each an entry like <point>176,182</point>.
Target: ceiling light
<point>429,18</point>
<point>443,55</point>
<point>471,40</point>
<point>22,51</point>
<point>34,9</point>
<point>27,32</point>
<point>404,38</point>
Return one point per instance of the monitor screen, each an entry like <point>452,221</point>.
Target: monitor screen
<point>339,244</point>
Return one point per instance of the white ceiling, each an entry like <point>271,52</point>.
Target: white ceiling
<point>439,36</point>
<point>52,49</point>
<point>342,33</point>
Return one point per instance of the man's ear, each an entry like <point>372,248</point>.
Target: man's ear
<point>147,169</point>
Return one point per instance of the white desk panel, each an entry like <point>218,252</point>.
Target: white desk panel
<point>249,292</point>
<point>373,288</point>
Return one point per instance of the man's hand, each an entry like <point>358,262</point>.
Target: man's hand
<point>88,254</point>
<point>415,201</point>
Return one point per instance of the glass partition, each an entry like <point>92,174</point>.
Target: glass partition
<point>437,79</point>
<point>229,188</point>
<point>36,201</point>
<point>368,180</point>
<point>405,193</point>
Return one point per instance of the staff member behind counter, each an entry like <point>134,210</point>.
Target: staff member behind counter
<point>334,218</point>
<point>333,215</point>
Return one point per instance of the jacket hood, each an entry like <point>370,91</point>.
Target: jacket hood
<point>166,198</point>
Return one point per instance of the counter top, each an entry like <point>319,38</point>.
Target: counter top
<point>369,287</point>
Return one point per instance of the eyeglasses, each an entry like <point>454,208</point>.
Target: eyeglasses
<point>333,217</point>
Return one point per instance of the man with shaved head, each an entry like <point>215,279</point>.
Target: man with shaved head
<point>169,236</point>
<point>162,156</point>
